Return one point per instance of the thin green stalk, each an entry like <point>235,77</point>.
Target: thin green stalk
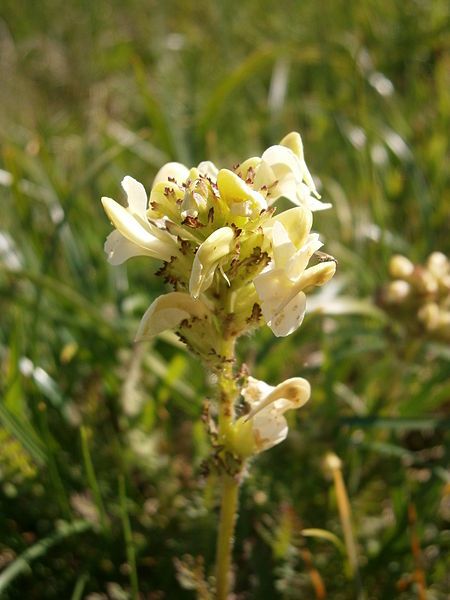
<point>92,479</point>
<point>128,535</point>
<point>230,484</point>
<point>78,590</point>
<point>228,511</point>
<point>345,515</point>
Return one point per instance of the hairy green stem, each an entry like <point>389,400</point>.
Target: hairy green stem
<point>230,483</point>
<point>228,511</point>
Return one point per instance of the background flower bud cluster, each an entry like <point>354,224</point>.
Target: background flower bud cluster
<point>419,295</point>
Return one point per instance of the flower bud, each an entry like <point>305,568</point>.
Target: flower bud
<point>438,265</point>
<point>397,291</point>
<point>215,248</point>
<point>429,314</point>
<point>426,282</point>
<point>400,267</point>
<point>241,199</point>
<point>318,275</point>
<point>333,462</point>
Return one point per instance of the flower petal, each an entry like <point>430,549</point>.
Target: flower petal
<point>216,247</point>
<point>285,188</point>
<point>119,249</point>
<point>234,189</point>
<point>283,248</point>
<point>130,228</point>
<point>273,287</point>
<point>291,393</point>
<point>136,196</point>
<point>269,429</point>
<point>293,141</point>
<point>172,170</point>
<point>299,261</point>
<point>282,160</point>
<point>255,391</point>
<point>269,426</point>
<point>167,312</point>
<point>317,275</point>
<point>248,168</point>
<point>208,169</point>
<point>286,320</point>
<point>297,222</point>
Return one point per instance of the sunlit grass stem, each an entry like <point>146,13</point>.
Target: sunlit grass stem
<point>345,514</point>
<point>92,479</point>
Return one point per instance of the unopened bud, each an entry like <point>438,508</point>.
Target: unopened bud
<point>215,248</point>
<point>400,267</point>
<point>438,264</point>
<point>430,316</point>
<point>397,291</point>
<point>234,190</point>
<point>426,282</point>
<point>293,141</point>
<point>333,462</point>
<point>317,275</point>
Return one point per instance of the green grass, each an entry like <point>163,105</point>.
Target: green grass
<point>93,91</point>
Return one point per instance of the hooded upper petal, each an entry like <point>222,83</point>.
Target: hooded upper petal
<point>268,405</point>
<point>235,191</point>
<point>167,312</point>
<point>174,171</point>
<point>282,172</point>
<point>293,141</point>
<point>208,169</point>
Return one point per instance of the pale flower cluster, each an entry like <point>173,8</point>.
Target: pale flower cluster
<point>232,259</point>
<point>421,293</point>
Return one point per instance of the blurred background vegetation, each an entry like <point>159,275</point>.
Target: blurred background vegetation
<point>101,443</point>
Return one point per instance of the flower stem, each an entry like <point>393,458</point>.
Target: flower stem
<point>230,482</point>
<point>230,492</point>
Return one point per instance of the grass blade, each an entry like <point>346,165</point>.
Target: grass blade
<point>92,479</point>
<point>22,562</point>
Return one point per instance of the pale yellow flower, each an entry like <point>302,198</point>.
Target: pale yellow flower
<point>280,286</point>
<point>265,426</point>
<point>135,235</point>
<point>282,172</point>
